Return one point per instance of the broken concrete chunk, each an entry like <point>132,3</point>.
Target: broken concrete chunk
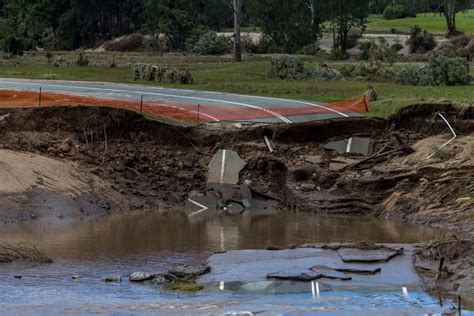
<point>140,276</point>
<point>185,271</point>
<point>353,145</point>
<point>360,255</point>
<point>296,275</point>
<point>359,271</point>
<point>340,163</point>
<point>329,273</point>
<point>316,160</point>
<point>234,209</point>
<point>308,187</point>
<point>225,167</point>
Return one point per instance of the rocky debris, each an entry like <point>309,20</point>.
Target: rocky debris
<point>340,163</point>
<point>111,279</point>
<point>316,160</point>
<point>362,255</point>
<point>441,265</point>
<point>185,271</point>
<point>225,167</point>
<point>308,187</point>
<point>359,270</point>
<point>295,275</point>
<point>330,273</point>
<point>140,276</point>
<point>234,209</point>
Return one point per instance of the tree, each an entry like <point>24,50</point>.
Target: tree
<point>291,25</point>
<point>449,8</point>
<point>237,8</point>
<point>170,17</point>
<point>344,16</point>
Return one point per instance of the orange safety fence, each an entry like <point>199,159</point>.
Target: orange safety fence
<point>181,111</point>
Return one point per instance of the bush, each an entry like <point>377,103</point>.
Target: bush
<point>440,70</point>
<point>420,41</point>
<point>322,72</point>
<point>368,71</point>
<point>338,54</point>
<point>211,44</point>
<point>285,68</point>
<point>309,50</point>
<point>265,45</point>
<point>378,51</point>
<point>159,73</point>
<point>82,60</point>
<point>396,11</point>
<point>397,47</point>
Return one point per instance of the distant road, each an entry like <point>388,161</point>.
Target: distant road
<point>216,106</point>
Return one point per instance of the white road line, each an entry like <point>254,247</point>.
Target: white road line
<point>448,142</point>
<point>297,101</point>
<point>281,117</point>
<point>349,145</point>
<point>223,166</point>
<point>203,208</point>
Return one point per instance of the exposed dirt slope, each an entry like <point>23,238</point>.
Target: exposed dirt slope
<point>33,185</point>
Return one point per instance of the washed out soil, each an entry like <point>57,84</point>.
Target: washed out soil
<point>144,164</point>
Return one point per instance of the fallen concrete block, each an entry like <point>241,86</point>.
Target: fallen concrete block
<point>225,167</point>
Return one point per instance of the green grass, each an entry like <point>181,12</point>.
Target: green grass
<point>250,78</point>
<point>432,22</point>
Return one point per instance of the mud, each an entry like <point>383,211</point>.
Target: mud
<point>150,165</point>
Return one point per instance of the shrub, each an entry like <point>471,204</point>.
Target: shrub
<point>322,72</point>
<point>309,50</point>
<point>211,44</point>
<point>82,60</point>
<point>420,41</point>
<point>440,70</point>
<point>338,54</point>
<point>159,73</point>
<point>378,51</point>
<point>285,67</point>
<point>396,11</point>
<point>264,45</point>
<point>368,71</point>
<point>397,47</point>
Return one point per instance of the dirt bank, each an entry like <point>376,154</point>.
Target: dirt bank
<point>118,155</point>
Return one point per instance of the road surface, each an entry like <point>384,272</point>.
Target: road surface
<point>215,105</point>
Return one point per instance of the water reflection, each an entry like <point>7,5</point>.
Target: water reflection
<point>122,234</point>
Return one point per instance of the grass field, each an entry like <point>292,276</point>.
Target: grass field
<point>431,22</point>
<point>246,78</point>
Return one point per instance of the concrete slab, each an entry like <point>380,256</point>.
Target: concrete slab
<point>353,145</point>
<point>255,265</point>
<point>361,255</point>
<point>225,167</point>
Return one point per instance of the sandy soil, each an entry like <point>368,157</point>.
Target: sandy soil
<point>34,186</point>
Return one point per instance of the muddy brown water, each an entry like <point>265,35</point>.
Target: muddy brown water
<point>120,244</point>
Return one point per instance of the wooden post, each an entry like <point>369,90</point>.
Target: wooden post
<point>141,104</point>
<point>39,97</point>
<point>198,114</point>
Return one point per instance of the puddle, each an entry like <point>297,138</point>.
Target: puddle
<point>121,244</point>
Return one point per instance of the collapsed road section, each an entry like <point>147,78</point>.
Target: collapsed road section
<point>357,166</point>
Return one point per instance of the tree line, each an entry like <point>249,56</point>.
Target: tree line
<point>289,25</point>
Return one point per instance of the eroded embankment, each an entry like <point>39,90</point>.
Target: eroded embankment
<point>152,165</point>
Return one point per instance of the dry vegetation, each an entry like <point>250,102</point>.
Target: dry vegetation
<point>22,252</point>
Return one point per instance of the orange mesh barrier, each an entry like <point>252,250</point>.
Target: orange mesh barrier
<point>181,111</point>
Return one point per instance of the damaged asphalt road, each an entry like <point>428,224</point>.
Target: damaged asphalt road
<point>251,170</point>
